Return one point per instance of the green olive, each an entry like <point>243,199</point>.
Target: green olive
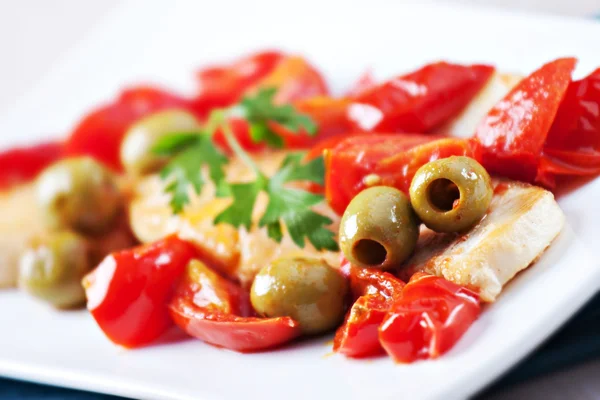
<point>451,194</point>
<point>308,290</point>
<point>52,269</point>
<point>136,149</point>
<point>79,194</point>
<point>379,228</point>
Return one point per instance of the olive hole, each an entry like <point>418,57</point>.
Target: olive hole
<point>369,252</point>
<point>443,194</point>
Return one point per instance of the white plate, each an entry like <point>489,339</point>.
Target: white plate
<point>159,42</point>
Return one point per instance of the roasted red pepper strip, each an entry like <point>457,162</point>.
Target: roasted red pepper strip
<point>100,132</point>
<point>418,101</point>
<point>217,311</point>
<point>375,292</point>
<point>22,164</point>
<point>129,291</point>
<point>364,83</point>
<point>390,160</point>
<point>511,137</point>
<point>223,85</point>
<point>573,143</point>
<point>428,319</point>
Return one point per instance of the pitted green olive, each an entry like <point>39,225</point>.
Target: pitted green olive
<point>136,149</point>
<point>308,290</point>
<point>52,269</point>
<point>379,228</point>
<point>79,194</point>
<point>451,194</point>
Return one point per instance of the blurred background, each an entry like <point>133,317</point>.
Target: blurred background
<point>47,30</point>
<point>53,27</point>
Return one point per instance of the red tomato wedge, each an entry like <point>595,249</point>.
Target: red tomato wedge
<point>418,101</point>
<point>217,311</point>
<point>129,291</point>
<point>511,137</point>
<point>223,85</point>
<point>99,133</point>
<point>391,160</point>
<point>428,319</point>
<point>375,292</point>
<point>21,164</point>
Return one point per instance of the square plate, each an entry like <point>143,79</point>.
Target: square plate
<point>163,42</point>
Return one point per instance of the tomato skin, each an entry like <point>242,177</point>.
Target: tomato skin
<point>510,138</point>
<point>428,319</point>
<point>100,132</point>
<point>374,292</point>
<point>419,101</point>
<point>219,312</point>
<point>22,164</point>
<point>243,334</point>
<point>393,158</point>
<point>223,85</point>
<point>129,291</point>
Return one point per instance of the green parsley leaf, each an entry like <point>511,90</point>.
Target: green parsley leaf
<point>239,213</point>
<point>192,152</point>
<point>175,142</point>
<point>293,206</point>
<point>260,110</point>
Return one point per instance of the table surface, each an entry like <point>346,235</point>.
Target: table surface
<point>47,30</point>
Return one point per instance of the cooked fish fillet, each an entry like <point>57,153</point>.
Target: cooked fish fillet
<point>19,221</point>
<point>495,89</point>
<point>236,252</point>
<point>521,223</point>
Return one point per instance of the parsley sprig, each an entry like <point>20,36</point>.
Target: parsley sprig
<point>191,151</point>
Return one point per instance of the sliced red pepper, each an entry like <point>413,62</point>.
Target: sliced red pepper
<point>217,311</point>
<point>328,113</point>
<point>573,143</point>
<point>365,82</point>
<point>419,101</point>
<point>391,160</point>
<point>511,137</point>
<point>21,164</point>
<point>129,291</point>
<point>375,292</point>
<point>99,133</point>
<point>295,79</point>
<point>223,85</point>
<point>428,319</point>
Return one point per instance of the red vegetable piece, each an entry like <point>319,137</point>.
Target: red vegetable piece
<point>21,164</point>
<point>295,79</point>
<point>573,143</point>
<point>375,292</point>
<point>129,291</point>
<point>329,114</point>
<point>511,137</point>
<point>223,85</point>
<point>365,82</point>
<point>100,132</point>
<point>428,319</point>
<point>218,312</point>
<point>391,159</point>
<point>418,101</point>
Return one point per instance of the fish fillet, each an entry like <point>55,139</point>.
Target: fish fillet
<point>521,223</point>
